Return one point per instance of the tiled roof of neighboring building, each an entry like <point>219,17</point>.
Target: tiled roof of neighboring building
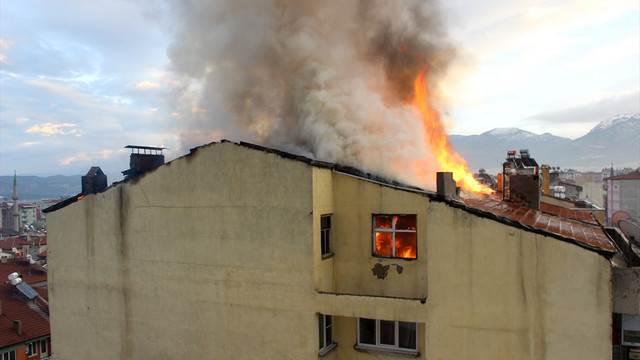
<point>584,215</point>
<point>15,241</point>
<point>22,268</point>
<point>587,235</point>
<point>634,175</point>
<point>35,322</point>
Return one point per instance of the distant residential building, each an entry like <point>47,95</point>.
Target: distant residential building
<point>29,213</point>
<point>623,194</point>
<point>25,333</point>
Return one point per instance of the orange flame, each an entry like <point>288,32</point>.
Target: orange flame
<point>448,159</point>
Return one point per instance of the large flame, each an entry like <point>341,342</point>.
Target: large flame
<point>447,159</point>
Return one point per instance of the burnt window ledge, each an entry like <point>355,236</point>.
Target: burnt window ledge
<point>324,352</point>
<point>327,256</point>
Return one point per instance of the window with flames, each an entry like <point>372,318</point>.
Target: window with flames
<point>395,236</point>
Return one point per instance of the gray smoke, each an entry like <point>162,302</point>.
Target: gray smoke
<point>326,79</point>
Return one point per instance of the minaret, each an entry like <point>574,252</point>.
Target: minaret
<point>16,206</point>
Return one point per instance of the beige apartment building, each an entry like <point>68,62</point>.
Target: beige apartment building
<point>240,252</point>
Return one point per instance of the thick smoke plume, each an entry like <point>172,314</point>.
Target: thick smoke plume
<point>327,79</point>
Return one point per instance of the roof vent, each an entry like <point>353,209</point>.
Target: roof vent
<point>143,159</point>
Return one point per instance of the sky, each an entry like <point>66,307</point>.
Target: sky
<point>80,80</point>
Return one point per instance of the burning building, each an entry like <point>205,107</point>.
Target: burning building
<point>241,251</point>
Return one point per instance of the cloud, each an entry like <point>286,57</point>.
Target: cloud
<point>4,46</point>
<point>146,84</point>
<point>88,157</point>
<point>48,129</point>
<point>592,112</point>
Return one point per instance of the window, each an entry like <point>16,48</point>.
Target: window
<point>32,348</point>
<point>325,332</point>
<point>11,355</point>
<point>399,336</point>
<point>325,235</point>
<point>43,346</point>
<point>395,236</point>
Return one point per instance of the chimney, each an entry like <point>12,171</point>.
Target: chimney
<point>94,182</point>
<point>17,326</point>
<point>545,179</point>
<point>446,186</point>
<point>143,159</point>
<point>521,183</point>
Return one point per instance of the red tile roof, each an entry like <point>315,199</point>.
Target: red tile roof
<point>584,215</point>
<point>35,323</point>
<point>585,234</point>
<point>22,268</point>
<point>634,175</point>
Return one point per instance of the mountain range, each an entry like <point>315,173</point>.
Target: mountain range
<point>613,141</point>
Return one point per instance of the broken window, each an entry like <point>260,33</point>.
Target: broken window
<point>395,236</point>
<point>325,332</point>
<point>399,336</point>
<point>325,235</point>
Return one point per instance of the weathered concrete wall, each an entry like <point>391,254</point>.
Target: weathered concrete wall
<point>492,291</point>
<point>356,271</point>
<point>207,257</point>
<point>501,292</point>
<point>217,255</point>
<point>626,290</point>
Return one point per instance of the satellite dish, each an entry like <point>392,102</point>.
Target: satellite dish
<point>31,261</point>
<point>29,256</point>
<point>14,250</point>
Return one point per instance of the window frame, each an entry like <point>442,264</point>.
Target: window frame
<point>9,355</point>
<point>44,347</point>
<point>325,344</point>
<point>378,346</point>
<point>393,231</point>
<point>32,348</point>
<point>326,249</point>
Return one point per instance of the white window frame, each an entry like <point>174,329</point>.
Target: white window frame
<point>7,355</point>
<point>326,345</point>
<point>325,236</point>
<point>393,231</point>
<point>32,348</point>
<point>44,347</point>
<point>385,347</point>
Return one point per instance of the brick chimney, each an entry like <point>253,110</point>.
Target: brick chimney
<point>446,186</point>
<point>520,180</point>
<point>143,159</point>
<point>17,326</point>
<point>94,182</point>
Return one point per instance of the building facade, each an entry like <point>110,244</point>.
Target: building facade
<point>623,194</point>
<point>240,252</point>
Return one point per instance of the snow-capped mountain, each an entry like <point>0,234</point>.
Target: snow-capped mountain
<point>615,140</point>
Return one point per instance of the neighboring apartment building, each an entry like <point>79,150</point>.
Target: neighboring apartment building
<point>24,319</point>
<point>623,194</point>
<point>241,252</point>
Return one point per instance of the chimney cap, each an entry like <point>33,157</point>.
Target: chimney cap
<point>137,148</point>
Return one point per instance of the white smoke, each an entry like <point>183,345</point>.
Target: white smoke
<point>326,79</point>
